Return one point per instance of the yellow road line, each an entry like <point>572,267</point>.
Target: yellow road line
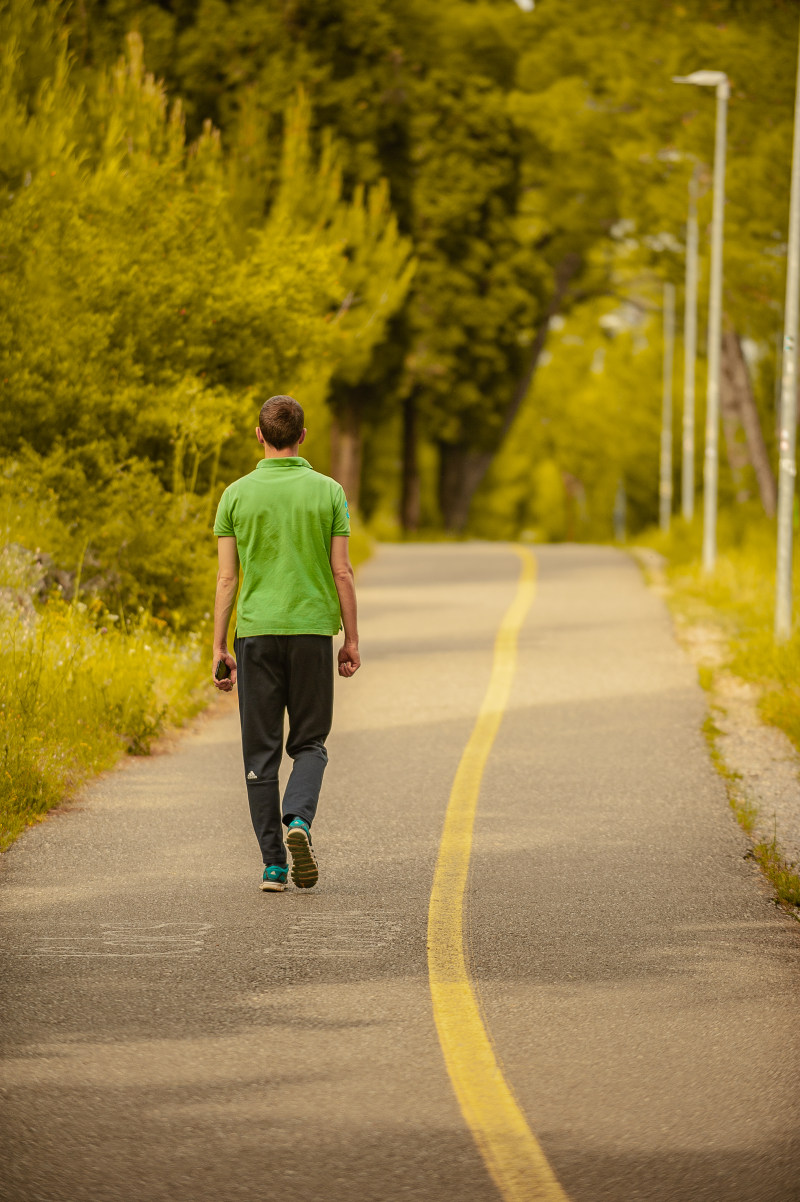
<point>512,1154</point>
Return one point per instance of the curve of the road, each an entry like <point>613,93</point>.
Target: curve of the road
<point>169,1032</point>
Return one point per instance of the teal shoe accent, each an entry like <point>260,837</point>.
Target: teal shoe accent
<point>274,878</point>
<point>305,872</point>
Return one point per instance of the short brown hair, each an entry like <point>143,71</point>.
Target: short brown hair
<point>281,421</point>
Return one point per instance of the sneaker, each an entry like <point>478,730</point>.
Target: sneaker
<point>304,863</point>
<point>274,879</point>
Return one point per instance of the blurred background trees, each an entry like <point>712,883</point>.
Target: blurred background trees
<point>148,306</point>
<point>443,227</point>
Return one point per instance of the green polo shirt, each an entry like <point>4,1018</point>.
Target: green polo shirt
<point>283,516</point>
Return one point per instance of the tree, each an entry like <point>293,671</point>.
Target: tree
<point>139,320</point>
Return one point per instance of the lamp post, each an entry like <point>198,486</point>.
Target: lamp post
<point>718,80</point>
<point>689,334</point>
<point>665,480</point>
<point>689,351</point>
<point>788,413</point>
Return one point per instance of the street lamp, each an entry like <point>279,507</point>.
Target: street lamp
<point>788,422</point>
<point>689,351</point>
<point>689,333</point>
<point>718,80</point>
<point>665,475</point>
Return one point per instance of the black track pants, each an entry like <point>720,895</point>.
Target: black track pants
<point>277,674</point>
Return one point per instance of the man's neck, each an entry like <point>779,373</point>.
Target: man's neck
<point>285,453</point>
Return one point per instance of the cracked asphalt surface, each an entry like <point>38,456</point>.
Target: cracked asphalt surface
<point>171,1033</point>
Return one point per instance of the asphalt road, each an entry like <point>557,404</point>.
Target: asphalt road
<point>169,1032</point>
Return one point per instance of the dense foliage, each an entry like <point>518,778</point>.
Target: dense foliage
<point>141,319</point>
<point>444,227</point>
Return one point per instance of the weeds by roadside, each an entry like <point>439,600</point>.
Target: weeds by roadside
<point>737,601</point>
<point>739,598</point>
<point>75,695</point>
<point>782,875</point>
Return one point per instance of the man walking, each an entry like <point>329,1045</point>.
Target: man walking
<point>288,526</point>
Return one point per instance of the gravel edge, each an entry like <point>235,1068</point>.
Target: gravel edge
<point>759,762</point>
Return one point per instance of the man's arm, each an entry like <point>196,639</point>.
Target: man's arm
<point>227,586</point>
<point>349,659</point>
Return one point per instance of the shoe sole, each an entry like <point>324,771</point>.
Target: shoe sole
<point>305,872</point>
<point>273,886</point>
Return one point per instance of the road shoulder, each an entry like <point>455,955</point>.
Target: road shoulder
<point>758,763</point>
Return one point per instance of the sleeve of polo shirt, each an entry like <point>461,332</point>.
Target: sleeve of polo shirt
<point>341,513</point>
<point>223,524</point>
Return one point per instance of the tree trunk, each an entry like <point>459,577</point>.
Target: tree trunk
<point>346,446</point>
<point>739,377</point>
<point>729,416</point>
<point>461,470</point>
<point>410,498</point>
<point>566,271</point>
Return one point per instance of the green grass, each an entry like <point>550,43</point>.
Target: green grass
<point>738,600</point>
<point>782,876</point>
<point>74,697</point>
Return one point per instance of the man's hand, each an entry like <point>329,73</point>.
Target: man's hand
<point>342,569</point>
<point>227,584</point>
<point>224,686</point>
<point>349,659</point>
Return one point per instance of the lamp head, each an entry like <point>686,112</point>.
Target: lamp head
<point>704,79</point>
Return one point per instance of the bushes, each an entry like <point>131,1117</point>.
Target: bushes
<point>141,323</point>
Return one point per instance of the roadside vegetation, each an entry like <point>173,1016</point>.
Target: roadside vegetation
<point>77,691</point>
<point>737,602</point>
<point>739,599</point>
